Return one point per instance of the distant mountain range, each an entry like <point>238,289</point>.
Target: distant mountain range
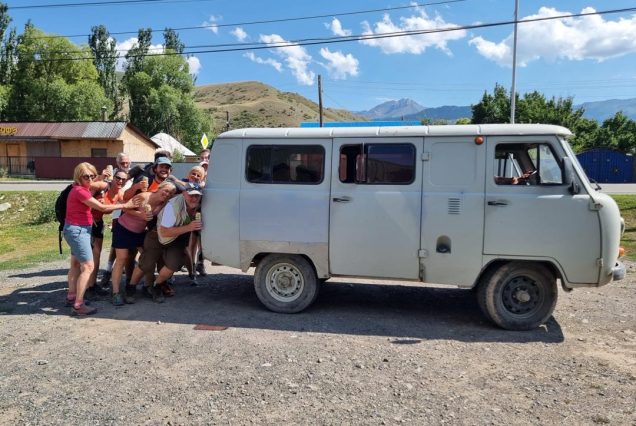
<point>408,109</point>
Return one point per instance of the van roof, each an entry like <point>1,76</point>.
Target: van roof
<point>449,130</point>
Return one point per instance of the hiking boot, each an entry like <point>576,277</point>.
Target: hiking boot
<point>146,291</point>
<point>157,294</point>
<point>83,310</point>
<point>129,295</point>
<point>118,300</point>
<point>70,303</point>
<point>105,279</point>
<point>201,269</point>
<point>99,291</point>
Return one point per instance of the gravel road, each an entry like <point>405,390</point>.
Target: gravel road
<point>367,352</point>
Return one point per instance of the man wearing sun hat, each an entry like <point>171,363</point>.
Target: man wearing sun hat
<point>175,223</point>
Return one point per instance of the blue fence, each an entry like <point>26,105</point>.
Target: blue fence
<point>607,166</point>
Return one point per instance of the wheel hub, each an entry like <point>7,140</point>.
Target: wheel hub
<point>522,295</point>
<point>285,282</point>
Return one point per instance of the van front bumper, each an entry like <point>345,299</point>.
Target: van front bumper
<point>618,271</point>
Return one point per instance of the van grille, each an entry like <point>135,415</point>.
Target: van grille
<point>454,206</point>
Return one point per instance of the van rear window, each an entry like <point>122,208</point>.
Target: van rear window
<point>285,164</point>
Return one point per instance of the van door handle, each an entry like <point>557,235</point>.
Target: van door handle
<point>498,203</point>
<point>341,199</point>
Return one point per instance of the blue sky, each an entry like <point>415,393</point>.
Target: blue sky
<point>590,58</point>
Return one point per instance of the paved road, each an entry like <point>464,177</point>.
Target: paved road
<point>32,185</point>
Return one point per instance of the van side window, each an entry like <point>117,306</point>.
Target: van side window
<point>377,164</point>
<point>285,164</point>
<point>526,164</point>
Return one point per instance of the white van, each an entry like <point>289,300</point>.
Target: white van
<point>503,208</point>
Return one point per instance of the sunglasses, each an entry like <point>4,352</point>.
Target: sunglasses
<point>88,177</point>
<point>121,179</point>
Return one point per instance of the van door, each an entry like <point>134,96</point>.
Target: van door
<point>375,207</point>
<point>453,210</point>
<point>529,212</point>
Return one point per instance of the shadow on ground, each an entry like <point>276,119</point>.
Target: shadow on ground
<point>405,314</point>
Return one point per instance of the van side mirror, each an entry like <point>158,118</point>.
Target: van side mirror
<point>568,176</point>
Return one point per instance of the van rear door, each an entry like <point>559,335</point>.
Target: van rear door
<point>375,207</point>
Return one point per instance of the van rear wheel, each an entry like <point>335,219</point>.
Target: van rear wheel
<point>285,283</point>
<point>518,295</point>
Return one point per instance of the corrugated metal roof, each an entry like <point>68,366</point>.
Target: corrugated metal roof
<point>66,130</point>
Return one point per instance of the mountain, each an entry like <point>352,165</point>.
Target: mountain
<point>254,104</point>
<point>448,112</point>
<point>392,109</point>
<point>602,110</point>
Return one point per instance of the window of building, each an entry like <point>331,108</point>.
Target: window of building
<point>98,152</point>
<point>527,164</point>
<point>285,164</point>
<point>377,164</point>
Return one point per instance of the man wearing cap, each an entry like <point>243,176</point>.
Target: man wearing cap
<point>175,222</point>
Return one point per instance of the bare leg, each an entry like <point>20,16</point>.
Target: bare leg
<point>85,270</point>
<point>121,257</point>
<point>73,273</point>
<point>97,252</point>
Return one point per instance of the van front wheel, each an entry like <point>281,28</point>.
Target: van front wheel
<point>518,295</point>
<point>285,283</point>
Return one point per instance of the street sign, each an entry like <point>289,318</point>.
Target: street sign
<point>204,141</point>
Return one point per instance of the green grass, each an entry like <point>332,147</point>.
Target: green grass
<point>29,237</point>
<point>627,204</point>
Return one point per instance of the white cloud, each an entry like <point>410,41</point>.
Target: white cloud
<point>296,58</point>
<point>340,65</point>
<point>128,44</point>
<point>414,44</point>
<point>239,33</point>
<point>587,37</point>
<point>194,65</point>
<point>336,28</point>
<point>211,24</point>
<point>274,63</point>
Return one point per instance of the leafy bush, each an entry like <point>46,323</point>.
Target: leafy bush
<point>3,172</point>
<point>45,212</point>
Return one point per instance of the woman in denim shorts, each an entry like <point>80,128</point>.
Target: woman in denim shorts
<point>77,232</point>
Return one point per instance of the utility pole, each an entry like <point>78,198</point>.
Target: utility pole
<point>320,98</point>
<point>513,91</point>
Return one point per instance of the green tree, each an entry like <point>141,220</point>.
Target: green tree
<point>161,99</point>
<point>105,56</point>
<point>51,83</point>
<point>172,41</point>
<point>493,108</point>
<point>618,132</point>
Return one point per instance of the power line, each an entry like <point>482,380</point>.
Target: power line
<point>270,21</point>
<point>359,37</point>
<point>99,3</point>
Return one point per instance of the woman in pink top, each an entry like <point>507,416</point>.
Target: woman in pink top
<point>77,233</point>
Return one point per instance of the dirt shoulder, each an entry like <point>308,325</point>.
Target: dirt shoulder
<point>368,352</point>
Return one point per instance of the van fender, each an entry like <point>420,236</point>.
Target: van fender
<point>549,263</point>
<point>317,253</point>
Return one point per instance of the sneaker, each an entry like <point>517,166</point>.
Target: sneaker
<point>167,290</point>
<point>201,269</point>
<point>100,291</point>
<point>146,291</point>
<point>193,280</point>
<point>118,300</point>
<point>157,294</point>
<point>105,279</point>
<point>82,310</point>
<point>129,295</point>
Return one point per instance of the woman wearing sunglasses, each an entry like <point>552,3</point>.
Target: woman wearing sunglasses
<point>77,233</point>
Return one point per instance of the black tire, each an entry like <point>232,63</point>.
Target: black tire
<point>285,283</point>
<point>518,295</point>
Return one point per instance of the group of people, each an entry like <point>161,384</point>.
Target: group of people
<point>155,227</point>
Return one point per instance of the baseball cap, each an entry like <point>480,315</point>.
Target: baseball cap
<point>163,160</point>
<point>193,189</point>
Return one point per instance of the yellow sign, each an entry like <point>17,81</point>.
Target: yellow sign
<point>9,130</point>
<point>204,141</point>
